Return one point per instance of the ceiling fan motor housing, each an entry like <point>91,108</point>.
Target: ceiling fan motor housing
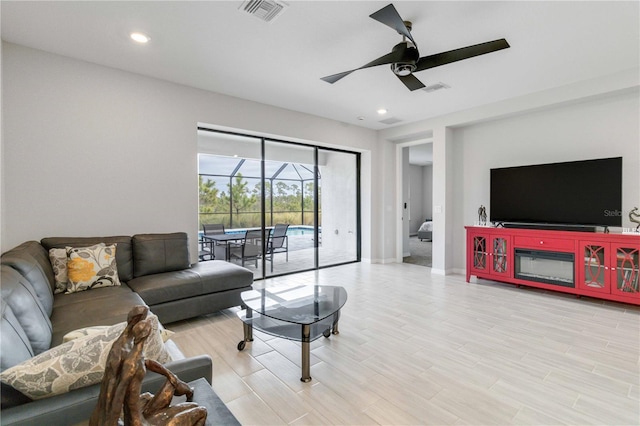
<point>409,58</point>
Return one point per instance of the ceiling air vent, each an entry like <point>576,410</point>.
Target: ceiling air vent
<point>267,10</point>
<point>390,120</point>
<point>434,87</point>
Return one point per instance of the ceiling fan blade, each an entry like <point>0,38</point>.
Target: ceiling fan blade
<point>444,58</point>
<point>389,16</point>
<point>389,58</point>
<point>411,81</point>
<point>335,77</point>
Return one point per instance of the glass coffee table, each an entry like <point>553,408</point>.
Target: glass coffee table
<point>301,313</point>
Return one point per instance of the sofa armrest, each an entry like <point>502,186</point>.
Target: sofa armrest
<point>187,370</point>
<point>76,406</point>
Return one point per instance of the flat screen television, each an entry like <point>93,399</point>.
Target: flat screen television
<point>577,193</point>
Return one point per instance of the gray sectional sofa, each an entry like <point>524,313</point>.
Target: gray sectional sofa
<point>154,270</point>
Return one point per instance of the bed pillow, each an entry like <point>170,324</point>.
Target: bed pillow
<point>76,364</point>
<point>91,267</point>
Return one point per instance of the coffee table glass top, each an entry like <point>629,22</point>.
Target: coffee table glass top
<point>304,304</point>
<point>301,313</point>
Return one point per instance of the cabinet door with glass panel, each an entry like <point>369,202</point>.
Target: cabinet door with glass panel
<point>500,260</point>
<point>625,268</point>
<point>593,266</point>
<point>479,262</point>
<point>491,254</point>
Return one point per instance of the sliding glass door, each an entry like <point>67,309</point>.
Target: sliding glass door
<point>230,194</point>
<point>338,203</point>
<point>304,200</point>
<point>290,201</point>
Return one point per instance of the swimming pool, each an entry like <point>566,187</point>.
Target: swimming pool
<point>291,231</point>
<point>301,230</point>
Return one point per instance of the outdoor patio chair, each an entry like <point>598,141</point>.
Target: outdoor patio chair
<point>249,249</point>
<point>204,250</point>
<point>278,242</point>
<point>208,247</point>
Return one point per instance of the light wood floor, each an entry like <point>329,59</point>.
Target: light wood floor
<point>420,349</point>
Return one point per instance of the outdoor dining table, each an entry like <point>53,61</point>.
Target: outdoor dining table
<point>222,240</point>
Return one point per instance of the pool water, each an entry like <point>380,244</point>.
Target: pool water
<point>300,230</point>
<point>292,230</point>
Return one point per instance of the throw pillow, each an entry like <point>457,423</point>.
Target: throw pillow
<point>58,258</point>
<point>91,267</point>
<point>88,331</point>
<point>76,364</point>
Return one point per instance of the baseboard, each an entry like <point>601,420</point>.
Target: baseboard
<point>378,261</point>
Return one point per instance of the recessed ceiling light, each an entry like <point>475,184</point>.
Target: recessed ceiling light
<point>382,111</point>
<point>140,38</point>
<point>360,118</point>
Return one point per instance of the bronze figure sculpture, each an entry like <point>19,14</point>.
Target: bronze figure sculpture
<point>482,215</point>
<point>634,217</point>
<point>122,384</point>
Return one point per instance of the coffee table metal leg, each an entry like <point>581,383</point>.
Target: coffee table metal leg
<point>247,328</point>
<point>306,349</point>
<point>334,327</point>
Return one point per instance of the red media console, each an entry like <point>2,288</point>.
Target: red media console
<point>595,264</point>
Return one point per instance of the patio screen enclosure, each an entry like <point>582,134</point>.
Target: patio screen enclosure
<point>248,182</point>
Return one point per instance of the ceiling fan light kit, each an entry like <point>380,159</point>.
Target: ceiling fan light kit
<point>405,58</point>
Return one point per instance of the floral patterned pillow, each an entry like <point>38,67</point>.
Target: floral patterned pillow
<point>91,267</point>
<point>76,364</point>
<point>96,329</point>
<point>58,258</point>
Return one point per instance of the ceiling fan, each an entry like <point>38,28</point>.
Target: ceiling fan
<point>405,58</point>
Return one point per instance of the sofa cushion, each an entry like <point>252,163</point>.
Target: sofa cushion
<point>91,267</point>
<point>14,343</point>
<point>159,288</point>
<point>32,261</point>
<point>218,275</point>
<point>76,364</point>
<point>124,252</point>
<point>100,306</point>
<point>18,293</point>
<point>202,278</point>
<point>157,253</point>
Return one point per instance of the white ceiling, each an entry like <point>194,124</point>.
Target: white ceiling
<point>213,46</point>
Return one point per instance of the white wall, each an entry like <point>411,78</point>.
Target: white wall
<point>91,150</point>
<point>2,180</point>
<point>449,174</point>
<point>421,188</point>
<point>416,197</point>
<point>406,202</point>
<point>596,128</point>
<point>427,191</point>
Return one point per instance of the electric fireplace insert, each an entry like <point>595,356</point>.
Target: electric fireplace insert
<point>547,267</point>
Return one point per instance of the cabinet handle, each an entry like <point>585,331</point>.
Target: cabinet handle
<point>541,242</point>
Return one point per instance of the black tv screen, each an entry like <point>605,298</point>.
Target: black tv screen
<point>573,193</point>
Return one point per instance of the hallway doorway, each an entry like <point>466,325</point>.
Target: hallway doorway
<point>417,190</point>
